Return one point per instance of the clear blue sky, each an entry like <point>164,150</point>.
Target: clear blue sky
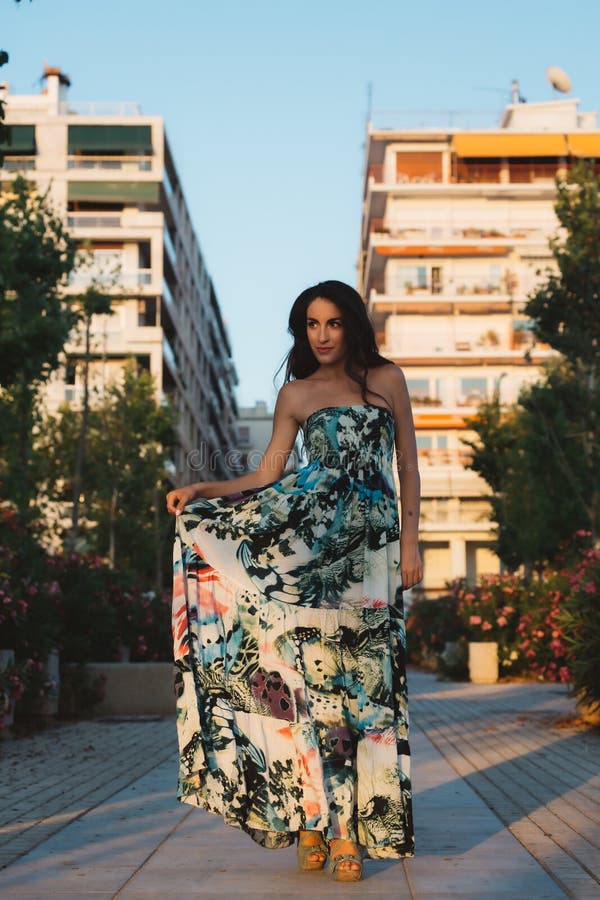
<point>265,104</point>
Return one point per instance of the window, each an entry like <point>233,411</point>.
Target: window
<point>110,140</point>
<point>418,388</point>
<point>411,277</point>
<point>495,276</point>
<point>70,371</point>
<point>147,312</point>
<point>20,140</point>
<point>472,391</point>
<point>424,442</point>
<point>114,191</point>
<point>418,167</point>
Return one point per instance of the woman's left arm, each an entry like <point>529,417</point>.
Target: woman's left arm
<point>410,481</point>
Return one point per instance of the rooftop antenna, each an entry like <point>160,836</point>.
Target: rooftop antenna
<point>559,79</point>
<point>515,92</point>
<point>369,102</point>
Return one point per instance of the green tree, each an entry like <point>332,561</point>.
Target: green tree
<point>36,256</point>
<point>541,457</point>
<point>532,457</point>
<point>129,441</point>
<point>565,309</point>
<point>93,302</point>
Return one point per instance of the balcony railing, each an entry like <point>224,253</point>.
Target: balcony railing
<point>93,220</point>
<point>136,278</point>
<point>100,108</point>
<point>19,163</point>
<point>473,173</point>
<point>441,292</point>
<point>444,232</point>
<point>443,457</point>
<point>111,163</point>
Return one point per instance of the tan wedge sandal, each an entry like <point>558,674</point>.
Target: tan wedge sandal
<point>315,849</point>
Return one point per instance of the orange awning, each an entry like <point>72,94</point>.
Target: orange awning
<point>442,420</point>
<point>584,144</point>
<point>503,144</point>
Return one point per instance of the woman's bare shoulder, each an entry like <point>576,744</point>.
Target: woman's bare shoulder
<point>291,398</point>
<point>387,380</point>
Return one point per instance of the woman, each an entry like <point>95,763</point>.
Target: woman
<point>287,617</point>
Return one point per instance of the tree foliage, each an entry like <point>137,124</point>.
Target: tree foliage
<point>541,457</point>
<point>566,308</point>
<point>128,445</point>
<point>36,255</point>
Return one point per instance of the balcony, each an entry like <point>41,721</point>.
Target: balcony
<point>444,457</point>
<point>100,108</point>
<point>445,232</point>
<point>19,163</point>
<point>110,163</point>
<point>93,220</point>
<point>124,279</point>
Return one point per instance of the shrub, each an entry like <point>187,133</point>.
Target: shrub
<point>430,625</point>
<point>541,645</point>
<point>579,620</point>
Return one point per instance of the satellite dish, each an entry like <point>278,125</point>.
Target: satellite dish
<point>559,79</point>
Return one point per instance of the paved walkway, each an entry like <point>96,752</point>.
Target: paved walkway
<point>506,805</point>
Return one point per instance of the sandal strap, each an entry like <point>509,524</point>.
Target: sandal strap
<point>334,861</point>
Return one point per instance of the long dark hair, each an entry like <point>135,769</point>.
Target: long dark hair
<point>361,348</point>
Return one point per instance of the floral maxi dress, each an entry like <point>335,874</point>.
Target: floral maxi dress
<point>290,646</point>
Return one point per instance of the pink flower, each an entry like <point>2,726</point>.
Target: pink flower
<point>486,626</point>
<point>590,587</point>
<point>474,620</point>
<point>502,620</point>
<point>508,610</point>
<point>564,674</point>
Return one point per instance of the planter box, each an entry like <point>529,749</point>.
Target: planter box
<point>136,689</point>
<point>483,662</point>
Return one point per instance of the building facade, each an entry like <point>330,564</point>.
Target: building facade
<point>455,234</point>
<point>110,172</point>
<point>255,426</point>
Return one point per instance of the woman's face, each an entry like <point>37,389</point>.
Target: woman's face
<point>325,331</point>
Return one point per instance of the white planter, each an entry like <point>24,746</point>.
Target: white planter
<point>483,662</point>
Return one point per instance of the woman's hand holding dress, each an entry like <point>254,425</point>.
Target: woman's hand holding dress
<point>181,496</point>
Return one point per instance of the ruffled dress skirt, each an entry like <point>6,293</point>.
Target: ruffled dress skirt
<point>290,646</point>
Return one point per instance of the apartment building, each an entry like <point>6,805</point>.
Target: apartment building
<point>111,173</point>
<point>454,237</point>
<point>255,426</point>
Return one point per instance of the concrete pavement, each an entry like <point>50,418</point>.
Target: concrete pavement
<point>506,805</point>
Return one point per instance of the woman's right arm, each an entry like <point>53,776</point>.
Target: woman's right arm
<point>270,468</point>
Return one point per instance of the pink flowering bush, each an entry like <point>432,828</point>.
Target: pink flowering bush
<point>547,626</point>
<point>578,622</point>
<point>490,610</point>
<point>541,643</point>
